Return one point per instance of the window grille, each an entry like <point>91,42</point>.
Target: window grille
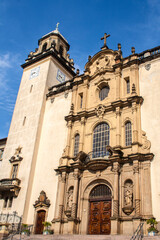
<point>76,144</point>
<point>103,93</point>
<point>100,140</point>
<point>100,191</point>
<point>14,171</point>
<point>128,133</point>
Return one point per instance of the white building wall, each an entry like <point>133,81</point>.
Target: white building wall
<point>52,142</point>
<point>150,117</point>
<point>29,104</point>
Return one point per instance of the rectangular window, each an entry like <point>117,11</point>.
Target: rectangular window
<point>1,153</point>
<point>10,202</point>
<point>5,202</point>
<point>81,99</point>
<point>127,85</point>
<point>14,171</point>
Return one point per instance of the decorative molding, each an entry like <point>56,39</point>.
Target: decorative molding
<point>42,201</point>
<point>146,144</point>
<point>100,111</point>
<point>148,66</point>
<point>16,157</point>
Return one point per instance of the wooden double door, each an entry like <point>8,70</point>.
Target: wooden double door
<point>99,218</point>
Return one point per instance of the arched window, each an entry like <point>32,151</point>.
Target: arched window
<point>128,133</point>
<point>104,93</point>
<point>44,47</point>
<point>100,140</point>
<point>61,50</point>
<point>76,144</point>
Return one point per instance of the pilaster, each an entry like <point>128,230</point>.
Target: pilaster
<point>137,192</point>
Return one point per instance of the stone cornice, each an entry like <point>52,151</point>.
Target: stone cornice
<point>101,163</point>
<point>109,108</point>
<point>54,34</point>
<point>54,54</point>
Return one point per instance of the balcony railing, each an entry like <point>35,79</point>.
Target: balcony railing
<point>97,160</point>
<point>149,52</point>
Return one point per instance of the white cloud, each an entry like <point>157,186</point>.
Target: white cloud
<point>7,90</point>
<point>4,61</point>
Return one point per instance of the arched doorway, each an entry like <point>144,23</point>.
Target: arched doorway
<point>100,210</point>
<point>39,222</point>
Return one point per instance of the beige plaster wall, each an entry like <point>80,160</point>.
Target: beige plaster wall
<point>52,142</point>
<point>150,118</point>
<point>29,104</point>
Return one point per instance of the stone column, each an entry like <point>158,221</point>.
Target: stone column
<point>61,195</point>
<point>116,189</point>
<point>135,130</point>
<point>58,197</point>
<point>69,125</point>
<point>83,120</point>
<point>114,219</point>
<point>118,133</point>
<point>137,193</point>
<point>75,194</point>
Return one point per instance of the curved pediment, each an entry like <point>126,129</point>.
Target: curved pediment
<point>101,61</point>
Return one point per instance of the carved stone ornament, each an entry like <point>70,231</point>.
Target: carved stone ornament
<point>70,199</point>
<point>128,197</point>
<point>146,144</point>
<point>42,201</point>
<point>71,109</point>
<point>16,157</point>
<point>148,66</point>
<point>100,111</point>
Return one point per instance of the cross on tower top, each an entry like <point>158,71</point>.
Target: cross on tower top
<point>105,40</point>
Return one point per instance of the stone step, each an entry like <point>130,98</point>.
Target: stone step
<point>80,237</point>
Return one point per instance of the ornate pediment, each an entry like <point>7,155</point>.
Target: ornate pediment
<point>17,155</point>
<point>102,62</point>
<point>42,201</point>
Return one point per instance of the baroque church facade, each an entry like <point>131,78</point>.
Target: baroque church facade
<point>82,150</point>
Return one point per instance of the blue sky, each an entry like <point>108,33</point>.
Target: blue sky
<point>22,22</point>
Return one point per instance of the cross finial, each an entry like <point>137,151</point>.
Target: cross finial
<point>57,26</point>
<point>105,40</point>
<point>18,150</point>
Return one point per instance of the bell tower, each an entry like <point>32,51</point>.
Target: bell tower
<point>45,67</point>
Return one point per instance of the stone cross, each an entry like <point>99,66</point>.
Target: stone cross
<point>105,39</point>
<point>18,150</point>
<point>57,26</point>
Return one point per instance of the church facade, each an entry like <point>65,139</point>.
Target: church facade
<point>82,150</point>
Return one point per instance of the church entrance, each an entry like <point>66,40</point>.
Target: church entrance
<point>39,223</point>
<point>100,210</point>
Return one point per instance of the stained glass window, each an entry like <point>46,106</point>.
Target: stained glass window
<point>128,133</point>
<point>100,140</point>
<point>76,144</point>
